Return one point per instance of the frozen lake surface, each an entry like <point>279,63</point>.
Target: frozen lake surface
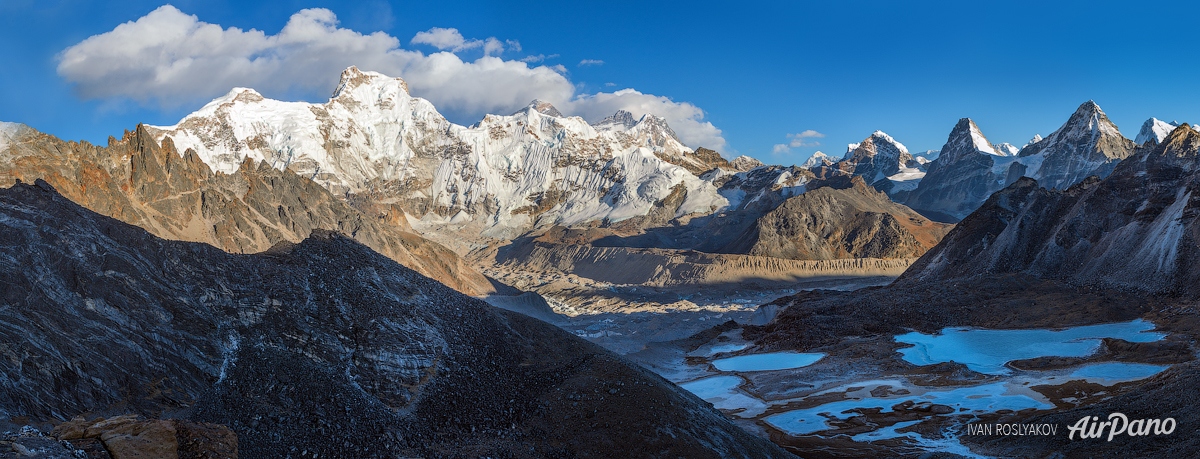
<point>723,393</point>
<point>986,351</point>
<point>983,398</point>
<point>768,362</point>
<point>1118,371</point>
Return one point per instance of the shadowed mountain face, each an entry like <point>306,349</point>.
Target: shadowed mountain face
<point>323,346</point>
<point>1135,229</point>
<point>964,174</point>
<point>178,197</point>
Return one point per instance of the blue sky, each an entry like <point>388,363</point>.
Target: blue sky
<point>743,79</point>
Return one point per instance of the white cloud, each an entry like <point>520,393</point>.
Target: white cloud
<point>590,62</point>
<point>797,141</point>
<point>450,39</point>
<point>174,59</point>
<point>444,39</point>
<point>537,58</point>
<point>806,134</point>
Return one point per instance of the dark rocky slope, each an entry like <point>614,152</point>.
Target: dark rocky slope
<point>176,196</point>
<point>318,348</point>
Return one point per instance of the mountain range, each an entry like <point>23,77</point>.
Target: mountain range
<point>281,268</point>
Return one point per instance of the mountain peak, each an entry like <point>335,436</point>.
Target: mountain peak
<point>1088,120</point>
<point>817,159</point>
<point>880,136</point>
<point>543,107</point>
<point>965,140</point>
<point>620,118</point>
<point>1089,107</point>
<point>1154,129</point>
<point>352,78</point>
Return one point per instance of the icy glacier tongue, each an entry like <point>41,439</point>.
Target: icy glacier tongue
<point>507,172</point>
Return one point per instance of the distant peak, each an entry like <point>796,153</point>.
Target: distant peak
<point>967,135</point>
<point>352,78</point>
<point>1156,130</point>
<point>543,107</point>
<point>878,136</point>
<point>1089,108</point>
<point>620,118</point>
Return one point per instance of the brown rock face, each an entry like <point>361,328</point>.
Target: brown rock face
<point>128,437</point>
<point>853,221</point>
<point>178,197</point>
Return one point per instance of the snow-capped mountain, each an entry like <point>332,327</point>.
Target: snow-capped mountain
<point>1087,144</point>
<point>507,173</point>
<point>1005,149</point>
<point>880,160</point>
<point>1155,129</point>
<point>877,157</point>
<point>818,159</point>
<point>1131,230</point>
<point>968,170</point>
<point>744,163</point>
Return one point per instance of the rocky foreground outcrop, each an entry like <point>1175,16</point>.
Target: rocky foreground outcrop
<point>321,348</point>
<point>177,196</point>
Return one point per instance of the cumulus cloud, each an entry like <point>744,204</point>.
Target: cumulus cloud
<point>172,58</point>
<point>591,62</point>
<point>797,141</point>
<point>537,58</point>
<point>450,39</point>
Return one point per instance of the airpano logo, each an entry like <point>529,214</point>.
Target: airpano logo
<point>1118,424</point>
